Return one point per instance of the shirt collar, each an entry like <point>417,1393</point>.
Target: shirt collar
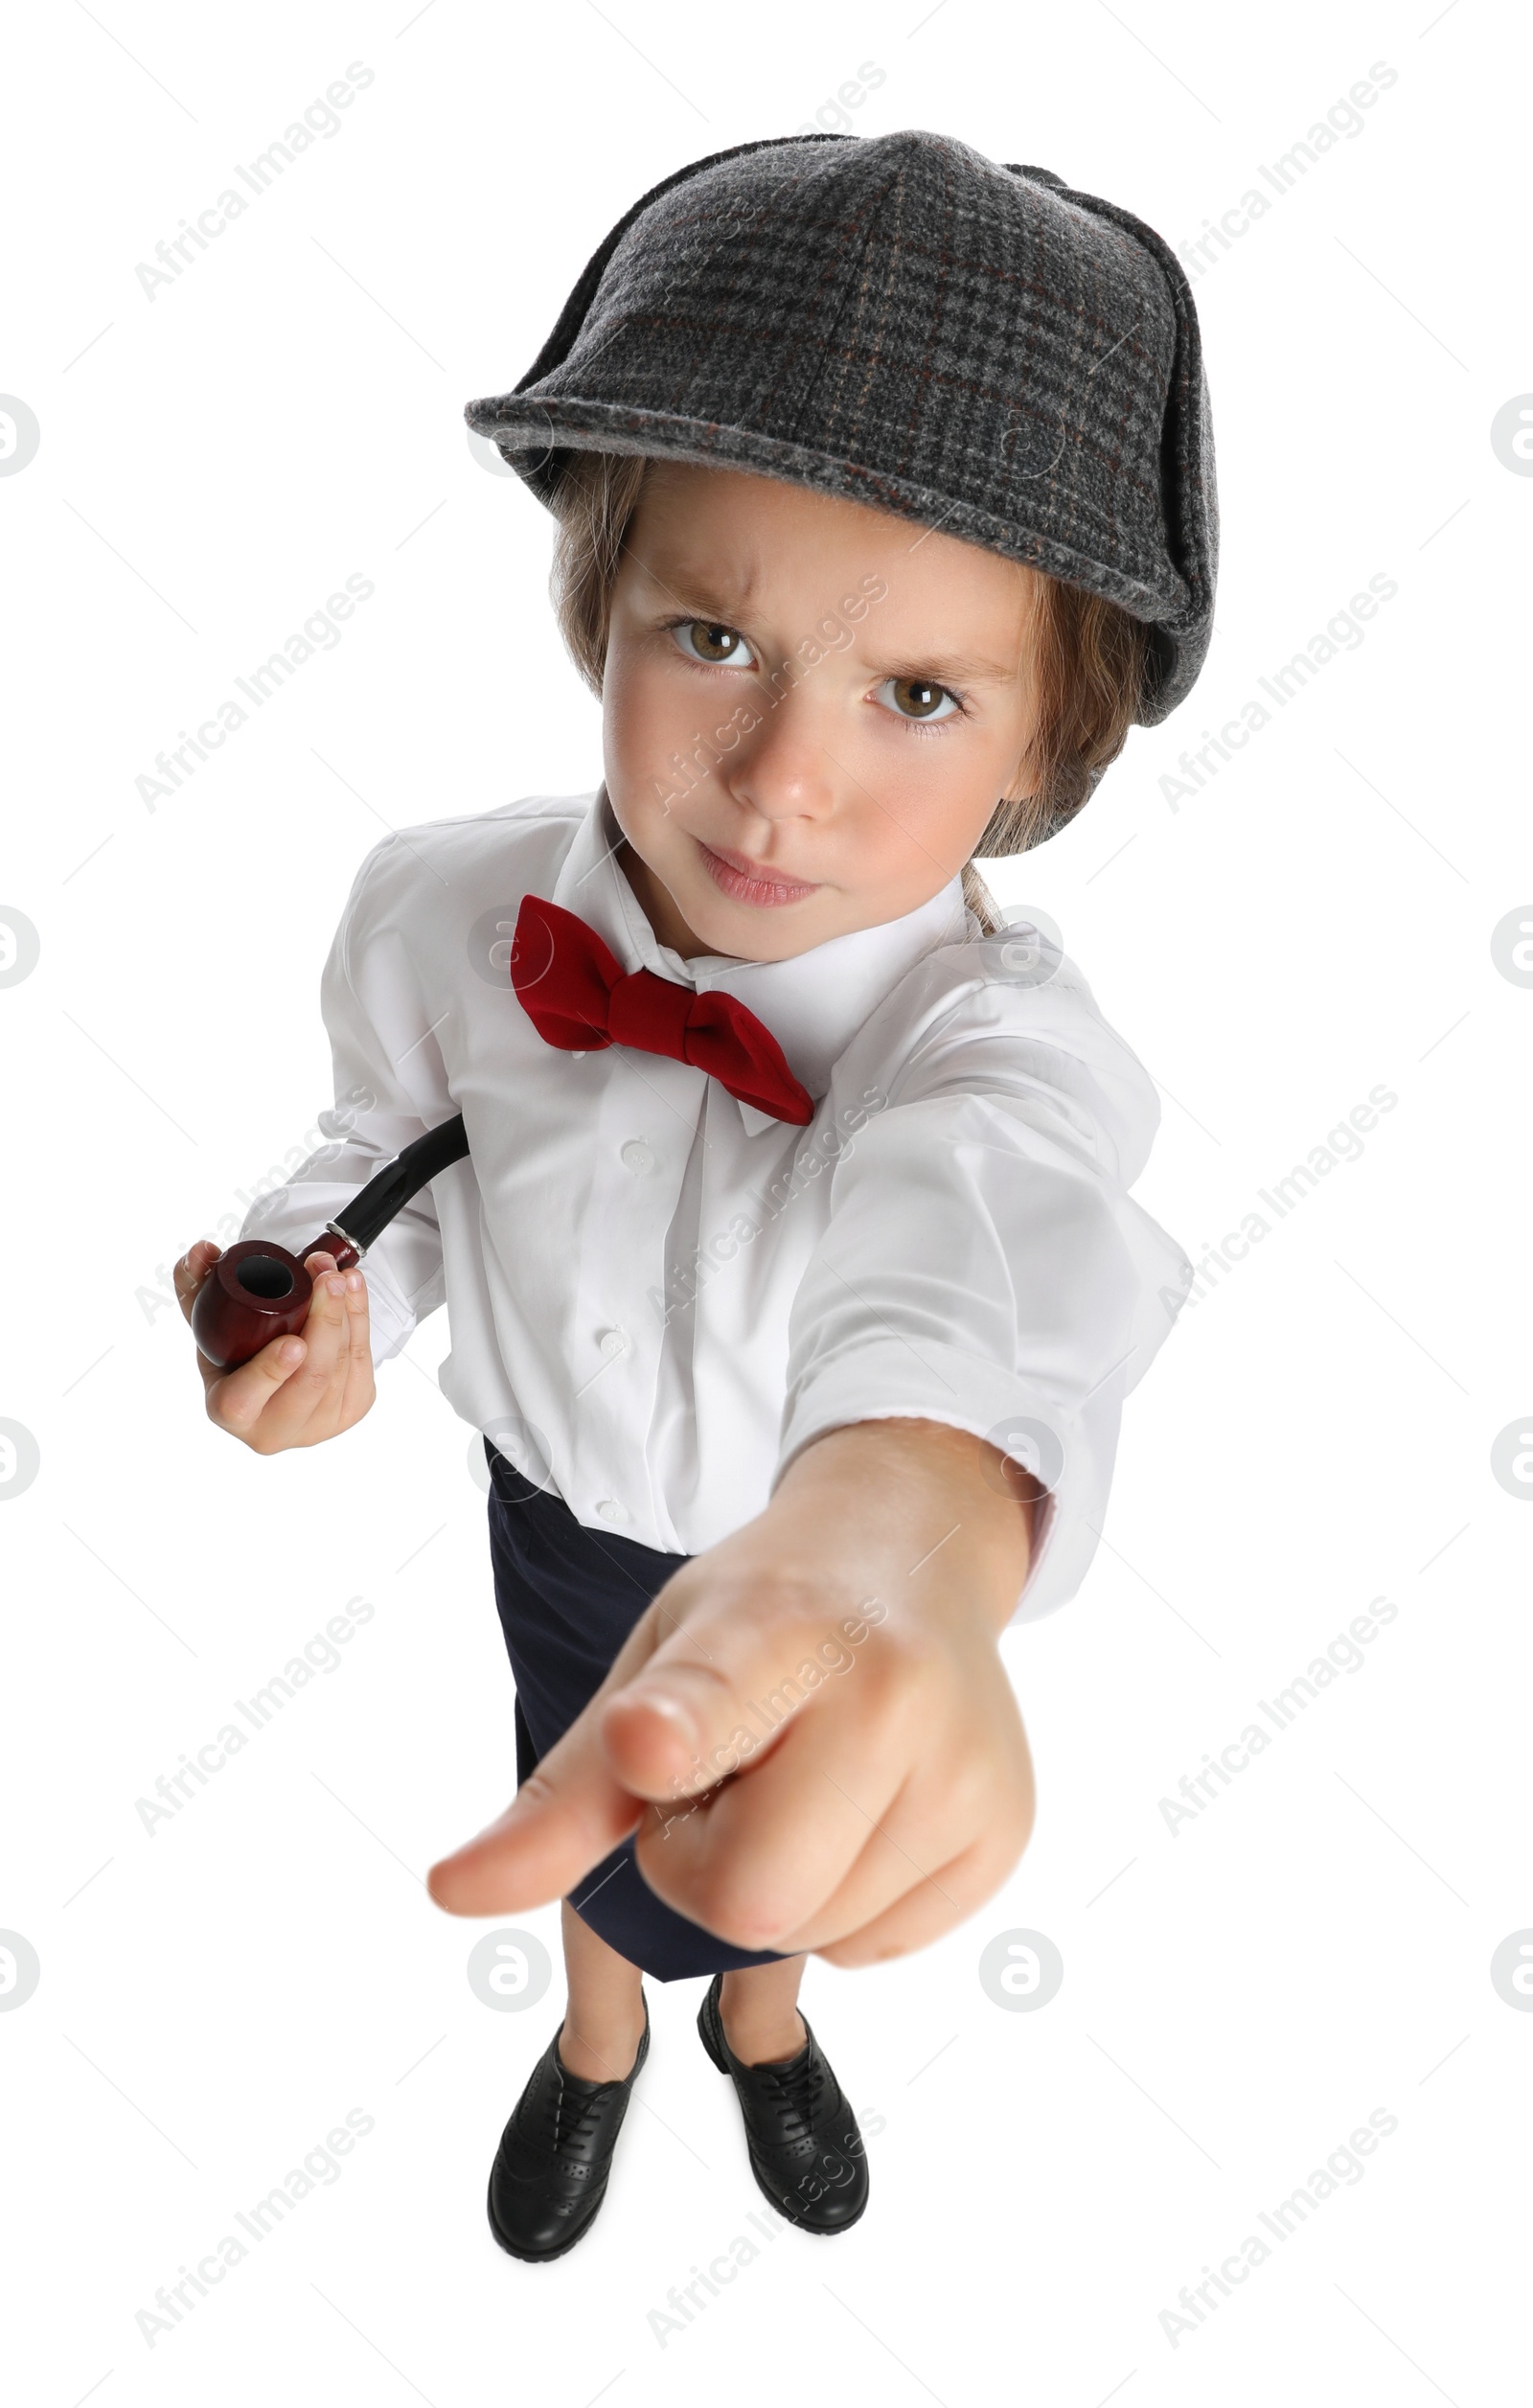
<point>813,1004</point>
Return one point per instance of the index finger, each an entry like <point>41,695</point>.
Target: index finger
<point>191,1271</point>
<point>569,1814</point>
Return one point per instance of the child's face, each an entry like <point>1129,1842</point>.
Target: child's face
<point>810,710</point>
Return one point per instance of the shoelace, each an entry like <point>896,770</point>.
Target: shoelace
<point>574,2120</point>
<point>799,2084</point>
<point>563,2119</point>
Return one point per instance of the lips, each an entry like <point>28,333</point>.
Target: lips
<point>749,882</point>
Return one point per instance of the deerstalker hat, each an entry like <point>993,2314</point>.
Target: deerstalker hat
<point>900,321</point>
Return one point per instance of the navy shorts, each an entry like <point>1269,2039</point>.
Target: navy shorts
<point>568,1596</point>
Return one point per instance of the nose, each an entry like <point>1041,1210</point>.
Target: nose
<point>783,768</point>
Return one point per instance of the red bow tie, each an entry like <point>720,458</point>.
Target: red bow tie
<point>578,995</point>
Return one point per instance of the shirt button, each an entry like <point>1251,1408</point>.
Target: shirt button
<point>612,1342</point>
<point>610,1511</point>
<point>637,1157</point>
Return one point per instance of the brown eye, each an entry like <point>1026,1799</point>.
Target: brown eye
<point>706,639</point>
<point>918,697</point>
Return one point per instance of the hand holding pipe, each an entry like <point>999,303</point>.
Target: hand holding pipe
<point>257,1291</point>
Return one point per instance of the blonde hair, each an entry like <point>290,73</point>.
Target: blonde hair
<point>1089,662</point>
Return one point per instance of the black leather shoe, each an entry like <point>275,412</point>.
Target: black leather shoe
<point>550,2172</point>
<point>806,2151</point>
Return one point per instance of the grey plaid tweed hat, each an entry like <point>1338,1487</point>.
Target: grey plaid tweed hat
<point>901,322</point>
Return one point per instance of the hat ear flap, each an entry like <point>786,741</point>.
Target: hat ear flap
<point>1189,492</point>
<point>1188,484</point>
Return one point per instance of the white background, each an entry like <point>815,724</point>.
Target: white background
<point>1315,922</point>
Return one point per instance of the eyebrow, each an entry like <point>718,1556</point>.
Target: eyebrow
<point>959,668</point>
<point>703,588</point>
<point>728,601</point>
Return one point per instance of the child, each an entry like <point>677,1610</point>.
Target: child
<point>793,1278</point>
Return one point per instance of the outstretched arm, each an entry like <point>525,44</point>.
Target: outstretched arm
<point>811,1726</point>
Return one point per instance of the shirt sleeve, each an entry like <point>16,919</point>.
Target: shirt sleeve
<point>387,1091</point>
<point>984,1265</point>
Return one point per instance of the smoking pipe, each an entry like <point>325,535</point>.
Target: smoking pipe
<point>257,1291</point>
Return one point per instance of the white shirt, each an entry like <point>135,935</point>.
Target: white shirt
<point>657,1295</point>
